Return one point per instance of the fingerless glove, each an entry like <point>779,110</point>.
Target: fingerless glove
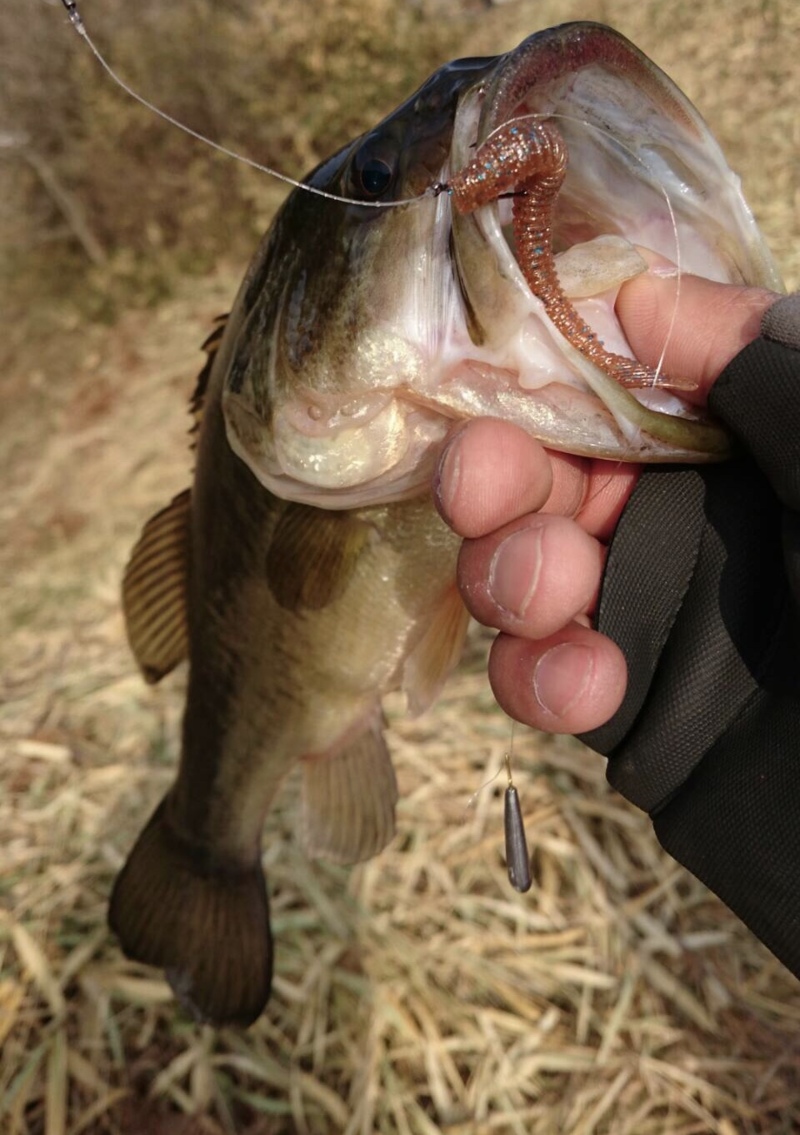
<point>701,591</point>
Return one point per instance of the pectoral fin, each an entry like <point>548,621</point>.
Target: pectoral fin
<point>349,799</point>
<point>154,591</point>
<point>312,556</point>
<point>428,665</point>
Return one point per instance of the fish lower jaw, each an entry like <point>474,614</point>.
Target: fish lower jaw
<point>390,458</point>
<point>567,404</point>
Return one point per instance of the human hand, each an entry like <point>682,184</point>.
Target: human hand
<point>536,524</point>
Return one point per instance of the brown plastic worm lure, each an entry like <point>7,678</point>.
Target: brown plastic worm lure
<point>527,159</point>
<point>517,861</point>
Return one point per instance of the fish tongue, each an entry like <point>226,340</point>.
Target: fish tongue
<point>591,267</point>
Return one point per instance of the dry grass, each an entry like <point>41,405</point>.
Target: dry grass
<point>416,994</point>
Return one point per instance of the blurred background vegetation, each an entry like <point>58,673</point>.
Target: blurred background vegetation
<point>103,205</point>
<point>80,199</point>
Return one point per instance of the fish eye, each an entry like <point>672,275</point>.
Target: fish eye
<point>373,176</point>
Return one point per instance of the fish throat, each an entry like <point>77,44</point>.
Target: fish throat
<point>528,161</point>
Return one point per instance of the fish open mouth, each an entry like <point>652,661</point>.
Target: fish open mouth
<point>576,157</point>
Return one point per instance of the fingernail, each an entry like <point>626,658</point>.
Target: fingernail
<point>514,571</point>
<point>447,475</point>
<point>561,676</point>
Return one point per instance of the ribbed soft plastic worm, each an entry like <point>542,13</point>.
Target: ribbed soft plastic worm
<point>528,159</point>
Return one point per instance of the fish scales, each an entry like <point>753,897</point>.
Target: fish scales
<point>262,670</point>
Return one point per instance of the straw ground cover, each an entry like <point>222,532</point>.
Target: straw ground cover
<point>417,993</point>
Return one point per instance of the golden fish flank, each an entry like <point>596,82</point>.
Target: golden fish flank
<point>299,620</point>
<point>307,572</point>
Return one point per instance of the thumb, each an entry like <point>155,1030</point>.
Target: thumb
<point>712,323</point>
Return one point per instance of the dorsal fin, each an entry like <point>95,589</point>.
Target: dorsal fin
<point>312,555</point>
<point>154,591</point>
<point>210,346</point>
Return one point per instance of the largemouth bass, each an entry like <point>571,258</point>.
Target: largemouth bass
<point>307,573</point>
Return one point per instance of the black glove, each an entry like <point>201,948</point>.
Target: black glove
<point>702,592</point>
